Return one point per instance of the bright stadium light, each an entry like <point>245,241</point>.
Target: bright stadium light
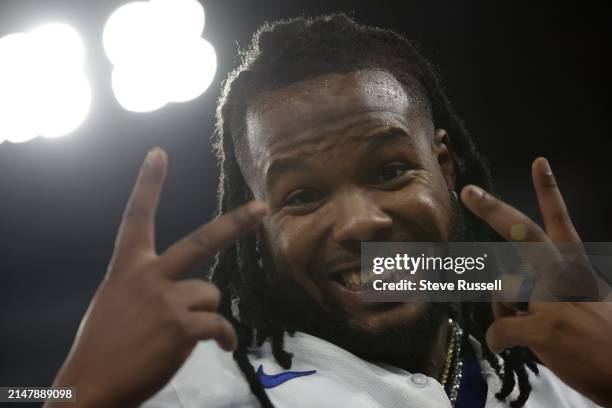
<point>43,88</point>
<point>158,53</point>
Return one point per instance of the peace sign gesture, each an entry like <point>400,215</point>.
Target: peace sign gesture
<point>573,339</point>
<point>143,322</point>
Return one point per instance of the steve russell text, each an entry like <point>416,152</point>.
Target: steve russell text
<point>427,285</point>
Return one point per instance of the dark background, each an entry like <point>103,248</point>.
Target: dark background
<point>529,78</point>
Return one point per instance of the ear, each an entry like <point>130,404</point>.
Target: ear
<point>444,155</point>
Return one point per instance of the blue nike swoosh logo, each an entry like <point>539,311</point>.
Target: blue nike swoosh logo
<point>271,381</point>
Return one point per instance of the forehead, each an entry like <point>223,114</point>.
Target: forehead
<point>306,114</point>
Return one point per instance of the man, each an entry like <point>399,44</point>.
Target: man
<point>345,133</point>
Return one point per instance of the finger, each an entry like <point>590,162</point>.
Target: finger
<point>510,283</point>
<point>514,294</point>
<point>137,226</point>
<point>557,220</point>
<point>211,238</point>
<point>196,294</point>
<point>503,309</point>
<point>212,326</point>
<point>509,222</point>
<point>507,332</point>
<point>506,309</point>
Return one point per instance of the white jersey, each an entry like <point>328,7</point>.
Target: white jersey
<point>325,375</point>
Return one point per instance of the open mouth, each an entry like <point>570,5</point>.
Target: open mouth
<point>352,284</point>
<point>355,280</point>
<point>349,279</point>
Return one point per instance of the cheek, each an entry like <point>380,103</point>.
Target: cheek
<point>293,244</point>
<point>425,203</point>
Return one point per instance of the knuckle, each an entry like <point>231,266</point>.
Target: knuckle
<point>183,326</point>
<point>218,320</point>
<point>203,294</point>
<point>490,203</point>
<point>535,232</point>
<point>137,213</point>
<point>240,217</point>
<point>562,217</point>
<point>212,294</point>
<point>173,318</point>
<point>218,325</point>
<point>549,183</point>
<point>214,323</point>
<point>210,327</point>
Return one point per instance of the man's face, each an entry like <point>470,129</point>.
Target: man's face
<point>341,159</point>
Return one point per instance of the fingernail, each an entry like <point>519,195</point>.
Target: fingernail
<point>549,178</point>
<point>258,209</point>
<point>153,156</point>
<point>546,168</point>
<point>475,191</point>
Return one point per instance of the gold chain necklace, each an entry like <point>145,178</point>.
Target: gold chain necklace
<point>452,364</point>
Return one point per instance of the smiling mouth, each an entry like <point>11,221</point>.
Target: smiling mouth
<point>349,279</point>
<point>354,280</point>
<point>350,283</point>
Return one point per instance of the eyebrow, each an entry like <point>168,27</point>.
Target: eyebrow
<point>390,136</point>
<point>283,166</point>
<point>378,140</point>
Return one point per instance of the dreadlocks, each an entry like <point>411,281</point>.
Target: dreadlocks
<point>290,51</point>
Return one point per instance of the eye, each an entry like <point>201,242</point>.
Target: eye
<point>302,197</point>
<point>391,171</point>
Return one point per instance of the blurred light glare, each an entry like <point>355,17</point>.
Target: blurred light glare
<point>43,88</point>
<point>158,54</point>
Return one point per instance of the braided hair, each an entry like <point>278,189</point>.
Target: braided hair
<point>287,52</point>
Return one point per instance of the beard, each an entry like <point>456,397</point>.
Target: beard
<point>409,343</point>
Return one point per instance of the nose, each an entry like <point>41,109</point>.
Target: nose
<point>358,218</point>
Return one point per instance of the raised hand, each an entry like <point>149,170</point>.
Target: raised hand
<point>143,322</point>
<point>574,340</point>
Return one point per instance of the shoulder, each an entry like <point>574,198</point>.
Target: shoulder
<point>209,377</point>
<point>321,375</point>
<point>547,390</point>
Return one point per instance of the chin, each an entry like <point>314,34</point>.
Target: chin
<point>392,332</point>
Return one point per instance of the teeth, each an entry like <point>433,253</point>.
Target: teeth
<point>351,279</point>
<point>354,279</point>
